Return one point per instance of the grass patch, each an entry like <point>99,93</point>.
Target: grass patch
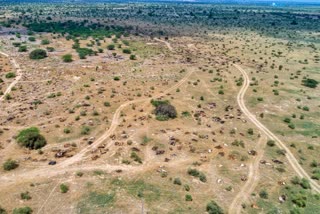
<point>96,203</point>
<point>139,189</point>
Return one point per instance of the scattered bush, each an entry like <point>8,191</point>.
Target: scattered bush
<point>23,210</point>
<point>106,104</point>
<point>196,173</point>
<point>188,197</point>
<point>64,188</point>
<point>214,208</point>
<point>126,51</point>
<point>23,48</point>
<point>304,183</point>
<point>32,39</point>
<point>165,111</point>
<point>250,131</point>
<point>85,130</point>
<point>271,143</point>
<point>2,211</point>
<point>177,181</point>
<point>136,157</point>
<point>133,57</point>
<point>25,196</point>
<point>38,54</point>
<point>10,75</point>
<point>263,194</point>
<point>31,138</point>
<point>10,165</point>
<point>111,47</point>
<point>311,83</point>
<point>45,42</point>
<point>67,58</point>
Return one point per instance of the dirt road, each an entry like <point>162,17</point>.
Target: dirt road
<point>253,178</point>
<point>291,159</point>
<point>17,78</point>
<point>115,122</point>
<point>166,43</point>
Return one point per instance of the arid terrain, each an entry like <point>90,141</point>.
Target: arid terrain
<point>159,108</point>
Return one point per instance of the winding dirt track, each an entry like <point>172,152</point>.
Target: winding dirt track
<point>115,122</point>
<point>253,178</point>
<point>17,78</point>
<point>64,167</point>
<point>165,42</point>
<point>292,160</point>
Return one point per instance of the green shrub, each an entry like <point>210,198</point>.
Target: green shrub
<point>126,51</point>
<point>10,165</point>
<point>287,120</point>
<point>31,138</point>
<point>133,57</point>
<point>299,199</point>
<point>64,188</point>
<point>311,83</point>
<point>250,131</point>
<point>263,194</point>
<point>25,196</point>
<point>271,143</point>
<point>304,183</point>
<point>305,108</point>
<point>156,103</point>
<point>10,75</point>
<point>136,157</point>
<point>186,187</point>
<point>188,197</point>
<point>106,104</point>
<point>32,39</point>
<point>165,111</point>
<point>67,58</point>
<point>50,49</point>
<point>214,208</point>
<point>2,211</point>
<point>111,47</point>
<point>177,181</point>
<point>38,54</point>
<point>23,48</point>
<point>23,210</point>
<point>85,130</point>
<point>45,42</point>
<point>291,126</point>
<point>196,173</point>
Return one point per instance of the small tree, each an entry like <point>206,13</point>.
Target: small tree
<point>38,54</point>
<point>165,111</point>
<point>31,138</point>
<point>214,208</point>
<point>311,83</point>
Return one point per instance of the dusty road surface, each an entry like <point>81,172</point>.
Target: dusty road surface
<point>253,178</point>
<point>17,78</point>
<point>292,160</point>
